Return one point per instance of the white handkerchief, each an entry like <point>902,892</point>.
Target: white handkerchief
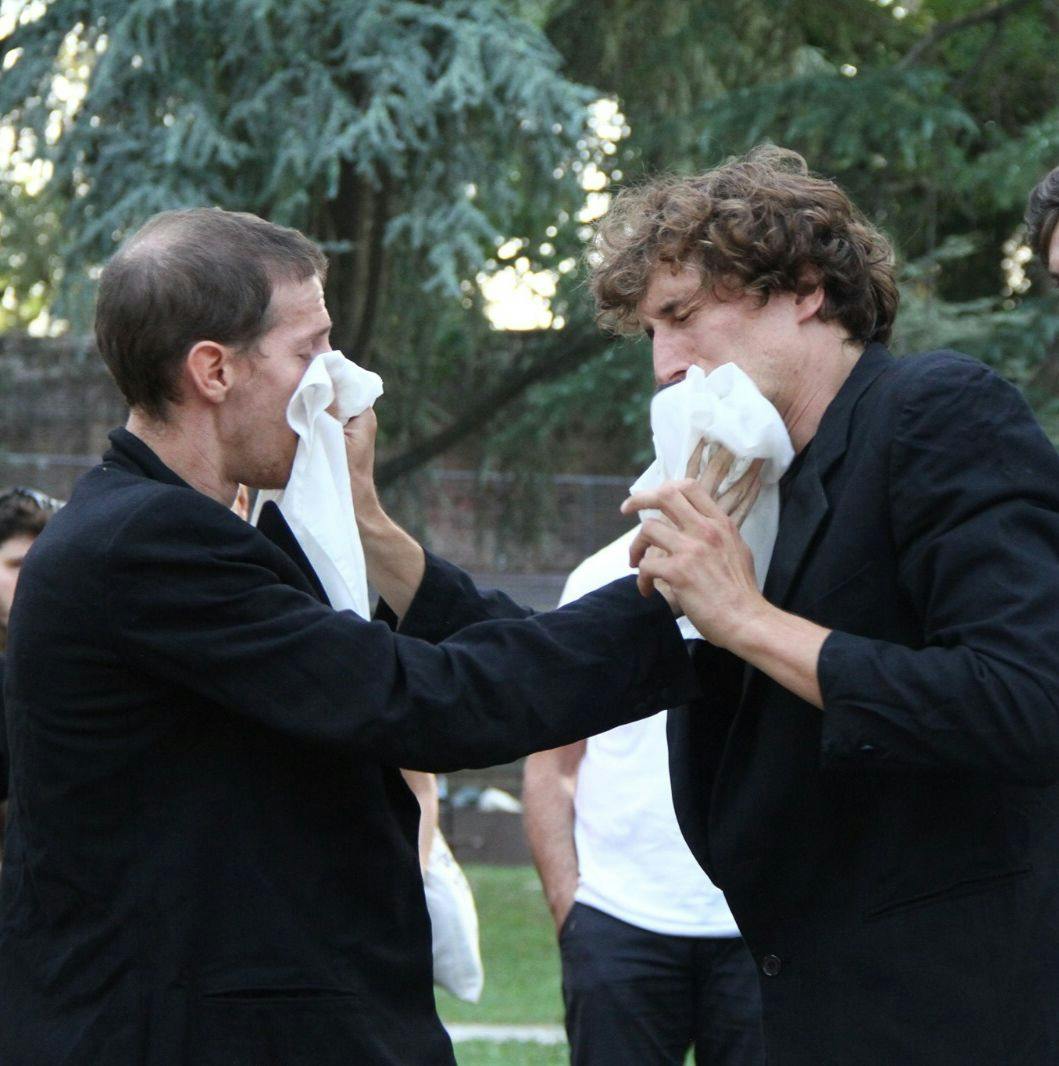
<point>723,408</point>
<point>317,503</point>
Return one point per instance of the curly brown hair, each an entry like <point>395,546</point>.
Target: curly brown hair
<point>759,224</point>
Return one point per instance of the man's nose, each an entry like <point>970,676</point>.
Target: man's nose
<point>670,365</point>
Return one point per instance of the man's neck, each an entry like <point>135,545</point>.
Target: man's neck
<point>189,449</point>
<point>826,370</point>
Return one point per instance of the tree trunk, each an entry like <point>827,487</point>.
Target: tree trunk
<point>356,219</point>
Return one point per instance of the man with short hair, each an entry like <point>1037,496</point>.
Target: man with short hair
<point>871,776</point>
<point>23,514</point>
<point>212,855</point>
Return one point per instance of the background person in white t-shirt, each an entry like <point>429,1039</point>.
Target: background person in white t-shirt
<point>652,960</point>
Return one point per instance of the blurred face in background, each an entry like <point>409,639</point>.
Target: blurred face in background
<point>23,514</point>
<point>12,552</point>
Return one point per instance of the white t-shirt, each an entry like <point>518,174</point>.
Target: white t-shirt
<point>632,859</point>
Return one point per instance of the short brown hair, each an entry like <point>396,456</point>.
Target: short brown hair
<point>1042,214</point>
<point>759,224</point>
<point>189,276</point>
<point>24,512</point>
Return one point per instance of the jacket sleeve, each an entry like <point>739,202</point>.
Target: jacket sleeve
<point>974,498</point>
<point>195,606</point>
<point>447,601</point>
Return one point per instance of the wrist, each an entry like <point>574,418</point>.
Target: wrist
<point>560,911</point>
<point>372,520</point>
<point>753,630</point>
<point>560,897</point>
<point>384,541</point>
<point>784,646</point>
<point>395,561</point>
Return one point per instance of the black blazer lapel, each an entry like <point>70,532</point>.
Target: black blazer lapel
<point>273,525</point>
<point>807,504</point>
<point>804,511</point>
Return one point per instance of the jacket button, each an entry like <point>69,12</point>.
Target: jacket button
<point>771,965</point>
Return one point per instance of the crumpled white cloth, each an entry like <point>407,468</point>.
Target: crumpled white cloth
<point>317,502</point>
<point>723,408</point>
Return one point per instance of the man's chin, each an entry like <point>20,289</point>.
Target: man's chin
<point>272,484</point>
<point>274,478</point>
<point>270,480</point>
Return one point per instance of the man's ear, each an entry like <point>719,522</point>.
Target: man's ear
<point>807,304</point>
<point>208,370</point>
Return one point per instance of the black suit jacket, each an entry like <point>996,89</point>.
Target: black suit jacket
<point>212,855</point>
<point>893,861</point>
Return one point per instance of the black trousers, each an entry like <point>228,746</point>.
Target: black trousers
<point>635,998</point>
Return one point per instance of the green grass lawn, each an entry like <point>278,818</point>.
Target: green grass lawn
<point>519,953</point>
<point>481,1053</point>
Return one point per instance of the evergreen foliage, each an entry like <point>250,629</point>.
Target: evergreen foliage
<point>412,137</point>
<point>406,136</point>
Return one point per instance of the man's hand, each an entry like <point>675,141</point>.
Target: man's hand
<point>707,564</point>
<point>702,558</point>
<point>394,561</point>
<point>737,498</point>
<point>736,501</point>
<point>359,436</point>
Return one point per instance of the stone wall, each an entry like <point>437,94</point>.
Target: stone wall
<point>57,403</point>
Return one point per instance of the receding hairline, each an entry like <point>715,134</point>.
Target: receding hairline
<point>164,237</point>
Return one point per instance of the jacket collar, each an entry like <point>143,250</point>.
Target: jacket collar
<point>129,452</point>
<point>807,504</point>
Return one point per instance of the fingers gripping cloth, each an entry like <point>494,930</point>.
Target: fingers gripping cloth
<point>317,502</point>
<point>724,409</point>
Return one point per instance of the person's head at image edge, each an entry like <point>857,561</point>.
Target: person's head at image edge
<point>24,512</point>
<point>1042,222</point>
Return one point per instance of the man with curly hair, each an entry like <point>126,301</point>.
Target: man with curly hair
<point>871,778</point>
